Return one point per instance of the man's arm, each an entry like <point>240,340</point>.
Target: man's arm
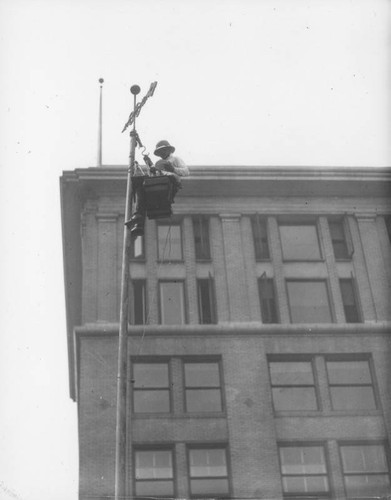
<point>180,167</point>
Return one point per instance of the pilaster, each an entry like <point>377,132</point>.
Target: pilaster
<point>107,266</point>
<point>235,268</point>
<point>379,286</point>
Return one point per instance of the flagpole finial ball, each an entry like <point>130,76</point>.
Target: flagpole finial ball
<point>101,80</point>
<point>135,89</point>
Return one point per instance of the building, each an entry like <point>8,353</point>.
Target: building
<point>259,354</point>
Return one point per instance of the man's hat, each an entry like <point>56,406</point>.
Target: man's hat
<point>163,145</point>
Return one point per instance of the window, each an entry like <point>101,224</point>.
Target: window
<point>304,471</point>
<point>138,312</point>
<point>300,242</point>
<point>339,239</point>
<point>351,385</point>
<point>267,300</point>
<point>172,303</point>
<point>387,220</point>
<point>208,471</point>
<point>206,302</point>
<point>293,385</point>
<point>349,301</point>
<point>203,387</point>
<point>151,387</point>
<point>201,237</point>
<point>154,474</point>
<point>137,248</point>
<point>365,470</point>
<point>309,301</point>
<point>169,242</point>
<point>261,246</point>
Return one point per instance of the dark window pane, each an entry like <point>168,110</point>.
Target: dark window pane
<point>294,398</point>
<point>352,398</point>
<point>169,242</point>
<point>205,301</point>
<point>309,302</point>
<point>300,242</point>
<point>338,239</point>
<point>291,373</point>
<point>151,388</point>
<point>209,487</point>
<point>198,378</point>
<point>202,374</point>
<point>349,372</point>
<point>150,375</point>
<point>387,219</point>
<point>139,302</point>
<point>156,401</point>
<point>203,400</point>
<point>261,247</point>
<point>267,301</point>
<point>349,301</point>
<point>201,238</point>
<point>172,305</point>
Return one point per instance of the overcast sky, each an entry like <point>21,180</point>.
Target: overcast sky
<point>240,82</point>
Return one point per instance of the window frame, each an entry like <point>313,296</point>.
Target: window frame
<point>200,360</point>
<point>209,446</point>
<point>343,358</point>
<point>184,300</point>
<point>387,223</point>
<point>296,222</point>
<point>142,256</point>
<point>271,282</point>
<point>256,220</point>
<point>295,358</point>
<point>151,360</point>
<point>347,239</point>
<point>327,474</point>
<point>170,223</point>
<point>155,448</point>
<point>143,282</point>
<point>203,223</point>
<point>212,301</point>
<point>310,280</point>
<point>358,443</point>
<point>357,302</point>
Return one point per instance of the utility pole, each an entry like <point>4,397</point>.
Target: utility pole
<point>121,417</point>
<point>100,124</point>
<point>120,438</point>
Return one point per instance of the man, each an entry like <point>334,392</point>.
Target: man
<point>169,165</point>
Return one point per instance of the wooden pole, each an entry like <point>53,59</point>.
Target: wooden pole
<point>100,124</point>
<point>120,438</point>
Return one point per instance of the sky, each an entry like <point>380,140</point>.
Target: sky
<point>240,82</point>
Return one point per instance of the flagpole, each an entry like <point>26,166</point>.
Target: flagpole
<point>121,418</point>
<point>100,125</point>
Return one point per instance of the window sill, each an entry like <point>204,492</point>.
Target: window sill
<point>159,261</point>
<point>292,261</point>
<point>178,416</point>
<point>327,413</point>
